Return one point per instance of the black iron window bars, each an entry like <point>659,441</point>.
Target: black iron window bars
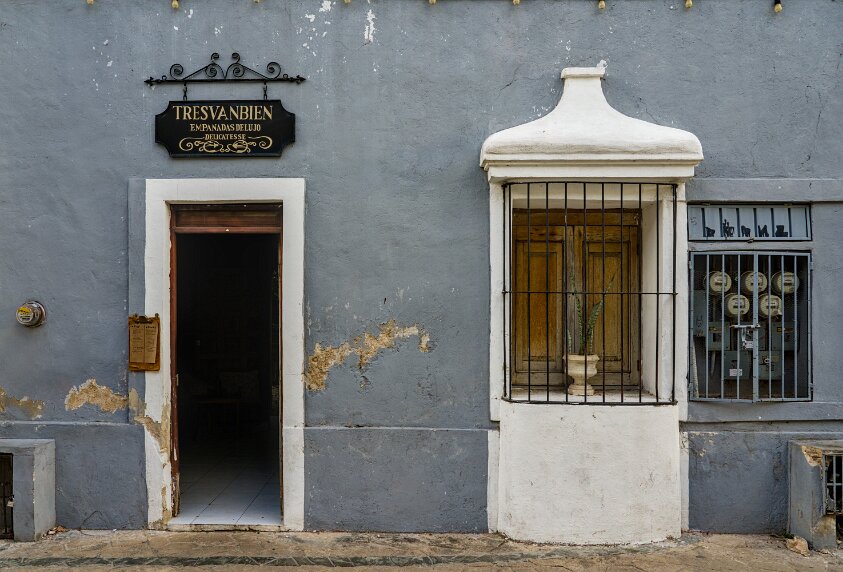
<point>833,478</point>
<point>7,499</point>
<point>589,312</point>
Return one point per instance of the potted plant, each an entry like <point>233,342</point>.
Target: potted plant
<point>583,365</point>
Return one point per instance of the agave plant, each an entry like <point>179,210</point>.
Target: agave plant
<point>585,329</point>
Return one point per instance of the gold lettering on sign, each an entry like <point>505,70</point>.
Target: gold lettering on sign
<point>223,113</point>
<point>239,144</point>
<point>224,129</point>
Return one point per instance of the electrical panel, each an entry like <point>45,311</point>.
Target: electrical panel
<point>749,315</point>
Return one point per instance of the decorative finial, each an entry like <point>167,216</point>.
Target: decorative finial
<point>777,6</point>
<point>601,5</point>
<point>689,3</point>
<point>89,2</point>
<point>175,4</point>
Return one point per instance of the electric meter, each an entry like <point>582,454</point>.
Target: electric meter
<point>31,314</point>
<point>784,282</point>
<point>769,306</point>
<point>750,278</point>
<point>736,305</point>
<point>719,282</point>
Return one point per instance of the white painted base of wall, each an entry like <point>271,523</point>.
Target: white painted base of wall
<point>589,474</point>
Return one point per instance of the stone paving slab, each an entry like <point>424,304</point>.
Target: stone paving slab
<point>159,550</point>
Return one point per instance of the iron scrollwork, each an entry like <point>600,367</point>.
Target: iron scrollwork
<point>236,71</point>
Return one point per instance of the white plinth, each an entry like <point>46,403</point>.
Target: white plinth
<point>586,474</point>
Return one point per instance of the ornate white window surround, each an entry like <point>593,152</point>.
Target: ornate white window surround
<point>582,139</point>
<point>638,489</point>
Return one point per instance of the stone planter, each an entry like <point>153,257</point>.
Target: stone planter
<point>580,368</point>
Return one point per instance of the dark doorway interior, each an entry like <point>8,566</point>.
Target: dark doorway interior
<point>227,345</point>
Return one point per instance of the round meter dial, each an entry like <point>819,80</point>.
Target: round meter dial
<point>719,282</point>
<point>751,278</point>
<point>31,314</point>
<point>737,305</point>
<point>769,306</point>
<point>785,282</point>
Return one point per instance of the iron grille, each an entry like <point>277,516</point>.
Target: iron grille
<point>749,322</point>
<point>589,292</point>
<point>6,520</point>
<point>833,483</point>
<point>737,222</point>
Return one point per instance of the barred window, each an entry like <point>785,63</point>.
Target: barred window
<point>750,326</point>
<point>589,292</point>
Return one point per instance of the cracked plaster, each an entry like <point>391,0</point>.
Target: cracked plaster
<point>366,346</point>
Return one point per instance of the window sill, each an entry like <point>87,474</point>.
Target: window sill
<point>612,396</point>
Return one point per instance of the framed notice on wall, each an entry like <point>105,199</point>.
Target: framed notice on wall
<point>144,346</point>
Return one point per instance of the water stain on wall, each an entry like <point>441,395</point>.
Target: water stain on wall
<point>366,346</point>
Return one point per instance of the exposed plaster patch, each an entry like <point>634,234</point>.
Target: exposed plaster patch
<point>826,527</point>
<point>310,17</point>
<point>813,455</point>
<point>32,407</point>
<point>369,30</point>
<point>326,6</point>
<point>89,393</point>
<point>158,430</point>
<point>366,346</point>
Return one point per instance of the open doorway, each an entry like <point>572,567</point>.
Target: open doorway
<point>226,354</point>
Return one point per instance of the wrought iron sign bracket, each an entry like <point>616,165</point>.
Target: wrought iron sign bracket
<point>235,72</point>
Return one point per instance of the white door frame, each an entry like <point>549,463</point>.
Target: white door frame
<point>160,194</point>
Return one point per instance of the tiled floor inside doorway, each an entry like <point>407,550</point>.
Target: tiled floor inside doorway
<point>229,483</point>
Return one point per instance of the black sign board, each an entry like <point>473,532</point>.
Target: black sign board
<point>229,128</point>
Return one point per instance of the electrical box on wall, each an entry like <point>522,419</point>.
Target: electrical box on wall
<point>31,314</point>
<point>750,325</point>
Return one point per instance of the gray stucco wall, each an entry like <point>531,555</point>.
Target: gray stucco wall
<point>740,475</point>
<point>389,123</point>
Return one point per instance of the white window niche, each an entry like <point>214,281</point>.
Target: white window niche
<point>576,473</point>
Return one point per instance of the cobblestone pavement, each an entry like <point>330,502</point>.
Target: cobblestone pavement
<point>157,550</point>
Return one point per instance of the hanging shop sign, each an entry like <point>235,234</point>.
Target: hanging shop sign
<point>239,128</point>
<point>225,128</point>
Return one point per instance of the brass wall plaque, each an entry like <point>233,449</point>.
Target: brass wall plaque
<point>144,343</point>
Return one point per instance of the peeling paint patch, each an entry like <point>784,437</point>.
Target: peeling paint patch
<point>158,430</point>
<point>32,407</point>
<point>326,6</point>
<point>369,30</point>
<point>89,393</point>
<point>366,346</point>
<point>813,455</point>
